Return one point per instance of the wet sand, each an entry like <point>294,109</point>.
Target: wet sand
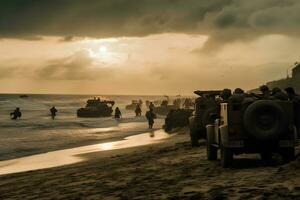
<point>73,155</point>
<point>168,170</point>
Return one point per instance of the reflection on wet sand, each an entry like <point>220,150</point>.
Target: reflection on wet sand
<point>69,156</point>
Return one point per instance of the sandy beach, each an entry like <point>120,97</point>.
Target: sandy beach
<point>171,169</point>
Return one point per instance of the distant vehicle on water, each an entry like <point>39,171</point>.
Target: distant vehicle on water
<point>134,104</point>
<point>165,108</point>
<point>96,108</point>
<point>24,96</point>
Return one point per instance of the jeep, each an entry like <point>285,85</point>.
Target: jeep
<point>251,125</point>
<point>205,105</point>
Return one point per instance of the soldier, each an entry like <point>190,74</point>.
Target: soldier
<point>53,112</point>
<point>265,92</point>
<point>292,95</point>
<point>118,113</point>
<point>16,114</point>
<point>164,103</point>
<point>225,94</point>
<point>278,94</point>
<point>138,111</point>
<point>151,106</point>
<point>150,115</point>
<point>295,98</point>
<point>238,91</point>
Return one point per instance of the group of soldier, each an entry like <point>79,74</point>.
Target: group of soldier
<point>267,94</point>
<point>226,95</point>
<point>150,115</point>
<point>17,114</point>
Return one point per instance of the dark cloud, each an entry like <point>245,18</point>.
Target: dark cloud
<point>78,66</point>
<point>223,20</point>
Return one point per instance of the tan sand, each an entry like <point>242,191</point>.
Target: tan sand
<point>169,170</point>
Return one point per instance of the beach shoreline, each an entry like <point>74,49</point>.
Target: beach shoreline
<point>33,146</point>
<point>168,170</point>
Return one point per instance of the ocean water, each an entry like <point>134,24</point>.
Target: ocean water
<point>36,132</point>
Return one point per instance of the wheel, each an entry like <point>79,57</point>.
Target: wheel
<point>226,157</point>
<point>265,120</point>
<point>194,139</point>
<point>193,135</point>
<point>211,151</point>
<point>288,154</point>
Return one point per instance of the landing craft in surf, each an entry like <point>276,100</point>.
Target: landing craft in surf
<point>134,104</point>
<point>96,108</point>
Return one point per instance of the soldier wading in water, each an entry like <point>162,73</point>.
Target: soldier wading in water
<point>118,113</point>
<point>150,115</point>
<point>16,114</point>
<point>53,112</point>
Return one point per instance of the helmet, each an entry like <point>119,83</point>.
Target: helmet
<point>264,88</point>
<point>238,91</point>
<point>225,94</point>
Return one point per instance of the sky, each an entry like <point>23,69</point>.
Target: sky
<point>145,46</point>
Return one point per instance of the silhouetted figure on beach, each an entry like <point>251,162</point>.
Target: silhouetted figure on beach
<point>150,115</point>
<point>53,112</point>
<point>295,98</point>
<point>151,106</point>
<point>266,93</point>
<point>138,111</point>
<point>16,114</point>
<point>277,93</point>
<point>118,113</point>
<point>225,94</point>
<point>292,95</point>
<point>238,91</point>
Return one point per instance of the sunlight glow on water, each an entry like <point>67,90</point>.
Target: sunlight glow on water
<point>70,156</point>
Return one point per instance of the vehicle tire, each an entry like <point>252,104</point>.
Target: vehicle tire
<point>288,154</point>
<point>226,157</point>
<point>265,120</point>
<point>211,151</point>
<point>194,137</point>
<point>193,133</point>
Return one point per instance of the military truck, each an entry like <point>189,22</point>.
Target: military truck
<point>177,118</point>
<point>251,125</point>
<point>96,108</point>
<point>205,106</point>
<point>165,108</point>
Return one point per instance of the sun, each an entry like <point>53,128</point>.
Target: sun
<point>103,49</point>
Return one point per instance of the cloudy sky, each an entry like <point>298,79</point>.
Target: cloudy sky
<point>145,46</point>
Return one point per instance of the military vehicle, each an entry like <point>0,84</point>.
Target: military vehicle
<point>205,106</point>
<point>96,108</point>
<point>251,125</point>
<point>177,118</point>
<point>165,108</point>
<point>134,104</point>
